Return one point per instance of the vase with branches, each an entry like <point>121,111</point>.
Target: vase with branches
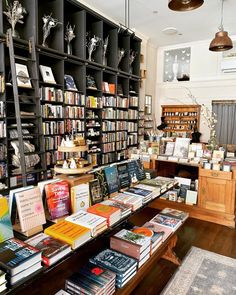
<point>15,13</point>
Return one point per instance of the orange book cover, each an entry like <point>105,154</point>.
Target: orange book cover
<point>103,210</point>
<point>112,88</point>
<point>67,232</point>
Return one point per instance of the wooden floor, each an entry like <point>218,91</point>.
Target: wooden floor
<point>205,235</point>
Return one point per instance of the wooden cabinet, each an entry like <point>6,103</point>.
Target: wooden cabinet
<point>217,193</point>
<point>181,118</point>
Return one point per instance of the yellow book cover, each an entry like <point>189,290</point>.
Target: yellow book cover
<point>73,234</point>
<point>6,231</point>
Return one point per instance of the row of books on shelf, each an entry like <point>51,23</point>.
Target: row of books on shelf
<point>121,145</point>
<point>52,111</point>
<point>74,98</point>
<point>77,125</point>
<point>3,129</point>
<point>74,112</point>
<point>132,127</point>
<point>2,83</point>
<point>122,102</point>
<point>53,156</point>
<point>108,125</point>
<point>2,109</point>
<point>93,102</point>
<point>53,127</point>
<point>109,147</point>
<point>132,138</point>
<point>51,94</point>
<point>52,143</point>
<point>132,114</point>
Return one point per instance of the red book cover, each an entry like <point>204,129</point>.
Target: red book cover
<point>58,199</point>
<point>103,210</point>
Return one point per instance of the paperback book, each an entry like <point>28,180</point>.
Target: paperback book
<point>111,179</point>
<point>52,249</point>
<point>100,176</point>
<point>6,231</point>
<point>166,221</point>
<point>123,175</point>
<point>80,197</point>
<point>95,191</point>
<point>112,214</point>
<point>175,213</point>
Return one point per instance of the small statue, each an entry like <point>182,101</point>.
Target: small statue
<point>104,50</point>
<point>69,36</point>
<point>48,23</point>
<point>132,56</point>
<point>92,45</point>
<point>73,164</point>
<point>121,54</point>
<point>65,165</point>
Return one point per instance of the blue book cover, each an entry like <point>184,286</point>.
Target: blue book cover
<point>138,191</point>
<point>112,179</point>
<point>115,261</point>
<point>135,169</point>
<point>123,175</point>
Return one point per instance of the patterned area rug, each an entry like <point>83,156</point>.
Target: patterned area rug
<point>203,272</point>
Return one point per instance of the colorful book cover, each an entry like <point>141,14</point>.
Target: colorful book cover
<point>16,255</point>
<point>138,191</point>
<point>68,232</point>
<point>58,199</point>
<point>50,247</point>
<point>103,184</point>
<point>6,231</point>
<point>30,208</point>
<point>103,210</point>
<point>135,169</point>
<point>160,232</point>
<point>175,213</point>
<point>80,197</point>
<point>88,220</point>
<point>111,179</point>
<point>123,175</point>
<point>95,191</point>
<point>138,239</point>
<point>167,221</point>
<point>115,261</point>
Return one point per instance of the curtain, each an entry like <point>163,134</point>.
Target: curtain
<point>226,122</point>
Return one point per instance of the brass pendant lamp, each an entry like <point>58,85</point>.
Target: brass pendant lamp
<point>222,41</point>
<point>184,5</point>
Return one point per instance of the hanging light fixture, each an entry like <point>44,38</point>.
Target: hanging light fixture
<point>184,5</point>
<point>222,41</point>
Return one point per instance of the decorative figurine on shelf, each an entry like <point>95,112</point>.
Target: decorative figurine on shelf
<point>69,36</point>
<point>121,54</point>
<point>90,82</point>
<point>48,23</point>
<point>132,55</point>
<point>63,142</point>
<point>65,165</point>
<point>92,44</point>
<point>73,164</point>
<point>104,50</point>
<point>15,13</point>
<point>69,142</point>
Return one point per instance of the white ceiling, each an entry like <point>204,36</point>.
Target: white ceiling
<point>195,25</point>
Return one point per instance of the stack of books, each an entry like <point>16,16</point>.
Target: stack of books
<point>112,214</point>
<point>144,194</point>
<point>133,201</point>
<point>125,209</point>
<point>73,234</point>
<point>166,221</point>
<point>3,281</point>
<point>123,266</point>
<point>52,249</point>
<point>178,214</point>
<point>132,244</point>
<point>95,223</point>
<point>157,238</point>
<point>19,260</point>
<point>155,190</point>
<point>92,279</point>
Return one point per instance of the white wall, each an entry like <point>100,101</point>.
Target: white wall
<point>206,83</point>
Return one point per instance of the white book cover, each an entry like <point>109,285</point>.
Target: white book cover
<point>30,209</point>
<point>80,197</point>
<point>87,220</point>
<point>22,74</point>
<point>12,196</point>
<point>127,199</point>
<point>42,184</point>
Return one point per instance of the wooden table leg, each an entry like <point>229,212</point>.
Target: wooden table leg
<point>170,254</point>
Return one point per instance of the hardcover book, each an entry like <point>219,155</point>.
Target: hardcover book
<point>80,197</point>
<point>170,222</point>
<point>22,74</point>
<point>52,249</point>
<point>130,243</point>
<point>175,213</point>
<point>103,210</point>
<point>159,231</point>
<point>123,175</point>
<point>30,208</point>
<point>99,174</point>
<point>16,255</point>
<point>68,232</point>
<point>70,83</point>
<point>125,209</point>
<point>94,222</point>
<point>95,191</point>
<point>6,231</point>
<point>58,199</point>
<point>115,261</point>
<point>47,74</point>
<point>138,191</point>
<point>135,169</point>
<point>111,179</point>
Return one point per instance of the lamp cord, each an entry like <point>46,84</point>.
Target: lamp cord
<point>221,28</point>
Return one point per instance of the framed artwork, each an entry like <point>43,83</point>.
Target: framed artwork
<point>22,75</point>
<point>47,74</point>
<point>177,65</point>
<point>70,83</point>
